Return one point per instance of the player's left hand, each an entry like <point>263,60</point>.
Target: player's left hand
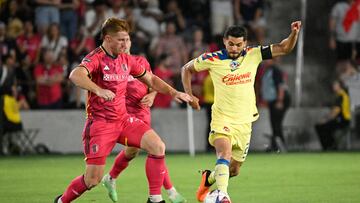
<point>295,26</point>
<point>182,97</point>
<point>148,100</point>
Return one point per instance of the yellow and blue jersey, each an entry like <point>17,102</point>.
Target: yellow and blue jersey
<point>234,100</point>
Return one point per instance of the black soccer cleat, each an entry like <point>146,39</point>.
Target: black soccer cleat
<point>148,201</point>
<point>57,199</point>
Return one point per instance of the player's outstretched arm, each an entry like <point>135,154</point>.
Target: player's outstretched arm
<point>79,76</point>
<point>159,85</point>
<point>186,74</point>
<point>288,44</point>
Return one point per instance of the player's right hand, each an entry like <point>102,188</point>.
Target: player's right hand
<point>107,95</point>
<point>195,103</point>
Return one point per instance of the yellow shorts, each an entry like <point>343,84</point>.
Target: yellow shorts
<point>239,136</point>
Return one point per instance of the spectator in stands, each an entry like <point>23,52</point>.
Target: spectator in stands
<point>174,14</point>
<point>163,71</point>
<point>11,12</point>
<point>28,43</point>
<point>82,44</point>
<point>197,45</point>
<point>116,10</point>
<point>7,46</point>
<point>46,13</point>
<point>338,118</point>
<point>48,76</point>
<point>351,79</point>
<point>147,19</point>
<point>69,17</point>
<point>340,40</point>
<point>54,41</point>
<point>275,92</point>
<point>25,81</point>
<point>173,46</point>
<point>222,15</point>
<point>251,14</point>
<point>94,17</point>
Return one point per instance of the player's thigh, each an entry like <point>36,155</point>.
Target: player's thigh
<point>241,142</point>
<point>222,144</point>
<point>133,132</point>
<point>99,138</point>
<point>152,143</point>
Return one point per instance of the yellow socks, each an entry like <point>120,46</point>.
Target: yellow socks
<point>221,174</point>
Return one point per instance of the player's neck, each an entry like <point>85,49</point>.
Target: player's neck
<point>107,50</point>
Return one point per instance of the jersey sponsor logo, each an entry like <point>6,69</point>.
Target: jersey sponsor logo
<point>226,129</point>
<point>235,79</point>
<point>234,65</point>
<point>106,68</point>
<point>114,77</point>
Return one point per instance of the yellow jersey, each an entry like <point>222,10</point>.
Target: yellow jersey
<point>234,97</point>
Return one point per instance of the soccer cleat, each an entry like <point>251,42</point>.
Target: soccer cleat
<point>57,199</point>
<point>110,186</point>
<point>148,201</point>
<point>178,198</point>
<point>204,187</point>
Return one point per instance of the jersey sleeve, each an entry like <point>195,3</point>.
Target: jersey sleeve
<point>266,52</point>
<point>137,69</point>
<point>203,62</point>
<point>144,62</point>
<point>90,62</point>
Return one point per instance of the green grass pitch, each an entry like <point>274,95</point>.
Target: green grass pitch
<point>264,178</point>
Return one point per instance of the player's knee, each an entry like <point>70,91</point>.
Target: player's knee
<point>158,148</point>
<point>130,154</point>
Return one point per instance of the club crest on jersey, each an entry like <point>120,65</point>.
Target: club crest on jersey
<point>124,67</point>
<point>106,68</point>
<point>95,148</point>
<point>234,65</point>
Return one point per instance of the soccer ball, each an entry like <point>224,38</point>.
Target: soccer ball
<point>217,196</point>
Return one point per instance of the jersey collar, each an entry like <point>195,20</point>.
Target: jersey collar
<point>107,53</point>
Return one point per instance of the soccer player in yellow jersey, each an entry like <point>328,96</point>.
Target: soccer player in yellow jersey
<point>232,71</point>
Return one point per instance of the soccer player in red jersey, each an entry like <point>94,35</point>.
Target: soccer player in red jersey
<point>139,99</point>
<point>104,73</point>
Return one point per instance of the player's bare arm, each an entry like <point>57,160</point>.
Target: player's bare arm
<point>288,44</point>
<point>79,76</point>
<point>186,73</point>
<point>159,85</point>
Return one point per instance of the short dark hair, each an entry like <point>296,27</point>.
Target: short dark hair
<point>236,31</point>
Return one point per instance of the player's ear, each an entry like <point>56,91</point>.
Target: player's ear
<point>224,40</point>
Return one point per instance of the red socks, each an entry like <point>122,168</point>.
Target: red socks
<point>121,162</point>
<point>167,183</point>
<point>74,190</point>
<point>155,172</point>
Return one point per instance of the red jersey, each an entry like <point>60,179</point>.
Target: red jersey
<point>135,91</point>
<point>110,73</point>
<point>31,44</point>
<point>48,94</point>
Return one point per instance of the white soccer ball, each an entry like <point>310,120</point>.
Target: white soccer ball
<point>217,196</point>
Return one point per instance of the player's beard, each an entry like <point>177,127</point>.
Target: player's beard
<point>234,55</point>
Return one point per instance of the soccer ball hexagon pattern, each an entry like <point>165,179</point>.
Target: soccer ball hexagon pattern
<point>217,196</point>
